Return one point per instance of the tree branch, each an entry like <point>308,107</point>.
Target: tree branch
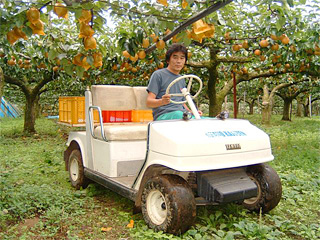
<point>191,20</point>
<point>18,83</point>
<point>203,64</point>
<point>233,59</point>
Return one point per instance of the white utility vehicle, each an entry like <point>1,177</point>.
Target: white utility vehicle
<point>169,167</point>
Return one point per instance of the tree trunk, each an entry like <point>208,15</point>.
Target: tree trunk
<point>251,105</point>
<point>286,109</point>
<point>215,104</point>
<point>266,106</point>
<point>299,109</point>
<point>37,107</point>
<point>306,110</point>
<point>30,114</point>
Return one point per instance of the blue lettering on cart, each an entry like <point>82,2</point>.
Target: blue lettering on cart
<point>225,134</point>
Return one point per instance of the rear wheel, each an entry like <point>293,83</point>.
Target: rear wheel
<point>269,188</point>
<point>168,204</point>
<point>76,170</point>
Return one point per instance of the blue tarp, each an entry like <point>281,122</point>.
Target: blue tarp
<point>8,110</point>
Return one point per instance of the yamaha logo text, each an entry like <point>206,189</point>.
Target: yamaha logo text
<point>233,146</point>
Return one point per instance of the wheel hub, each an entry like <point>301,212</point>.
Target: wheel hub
<point>74,169</point>
<point>254,199</point>
<point>156,207</point>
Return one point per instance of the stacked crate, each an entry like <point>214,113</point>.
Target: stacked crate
<point>72,109</point>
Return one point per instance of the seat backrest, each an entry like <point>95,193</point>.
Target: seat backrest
<point>141,95</point>
<point>122,98</point>
<point>113,97</point>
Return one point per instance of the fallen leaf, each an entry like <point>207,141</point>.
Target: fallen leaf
<point>130,225</point>
<point>103,229</point>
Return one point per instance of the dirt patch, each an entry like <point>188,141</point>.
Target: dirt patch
<point>30,222</point>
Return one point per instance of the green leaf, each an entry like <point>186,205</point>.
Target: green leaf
<point>290,2</point>
<point>80,71</point>
<point>221,21</point>
<point>68,70</point>
<point>140,36</point>
<point>78,13</point>
<point>90,60</point>
<point>52,54</point>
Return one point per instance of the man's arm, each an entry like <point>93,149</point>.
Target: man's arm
<point>152,102</point>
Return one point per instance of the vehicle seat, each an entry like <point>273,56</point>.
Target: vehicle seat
<point>123,131</point>
<point>120,98</point>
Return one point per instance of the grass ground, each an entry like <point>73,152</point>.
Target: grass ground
<point>38,202</point>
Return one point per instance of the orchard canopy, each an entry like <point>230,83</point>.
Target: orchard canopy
<point>67,44</point>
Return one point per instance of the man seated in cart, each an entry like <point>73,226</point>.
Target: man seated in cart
<point>157,99</point>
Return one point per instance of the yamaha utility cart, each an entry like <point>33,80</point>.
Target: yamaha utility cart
<point>169,167</point>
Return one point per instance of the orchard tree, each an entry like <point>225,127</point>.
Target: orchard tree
<point>291,93</point>
<point>39,47</point>
<point>273,38</point>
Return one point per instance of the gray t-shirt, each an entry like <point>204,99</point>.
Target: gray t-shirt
<point>158,84</point>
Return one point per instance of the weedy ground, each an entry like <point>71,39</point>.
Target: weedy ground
<point>38,202</point>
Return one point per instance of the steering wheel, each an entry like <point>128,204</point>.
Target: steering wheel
<point>190,77</point>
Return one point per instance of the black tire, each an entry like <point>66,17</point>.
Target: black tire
<point>269,188</point>
<point>168,204</point>
<point>76,170</point>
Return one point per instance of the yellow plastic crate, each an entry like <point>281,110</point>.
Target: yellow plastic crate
<point>141,116</point>
<point>72,110</point>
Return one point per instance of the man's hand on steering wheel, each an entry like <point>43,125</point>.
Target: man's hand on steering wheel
<point>190,77</point>
<point>165,99</point>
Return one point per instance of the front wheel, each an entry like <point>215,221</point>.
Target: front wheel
<point>168,204</point>
<point>269,188</point>
<point>76,170</point>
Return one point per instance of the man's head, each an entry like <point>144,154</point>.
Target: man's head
<point>176,47</point>
<point>176,57</point>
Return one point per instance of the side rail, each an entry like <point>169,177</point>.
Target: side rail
<point>91,122</point>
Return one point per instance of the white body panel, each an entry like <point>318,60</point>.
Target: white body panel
<point>80,138</point>
<point>200,145</point>
<point>206,137</point>
<point>109,154</point>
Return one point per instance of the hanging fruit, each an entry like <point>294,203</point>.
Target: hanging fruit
<point>160,44</point>
<point>126,54</point>
<point>97,59</point>
<point>86,16</point>
<point>33,15</point>
<point>61,10</point>
<point>145,43</point>
<point>90,43</point>
<point>210,33</point>
<point>200,27</point>
<point>85,30</point>
<point>134,58</point>
<point>163,2</point>
<point>81,60</point>
<point>11,36</point>
<point>184,4</point>
<point>142,54</point>
<point>37,27</point>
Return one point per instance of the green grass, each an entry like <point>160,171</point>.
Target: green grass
<point>38,202</point>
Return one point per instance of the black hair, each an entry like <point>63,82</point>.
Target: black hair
<point>176,47</point>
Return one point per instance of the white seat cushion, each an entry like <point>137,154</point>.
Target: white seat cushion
<point>123,131</point>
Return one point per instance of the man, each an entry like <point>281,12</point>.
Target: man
<point>162,108</point>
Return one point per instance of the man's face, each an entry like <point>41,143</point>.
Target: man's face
<point>176,62</point>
